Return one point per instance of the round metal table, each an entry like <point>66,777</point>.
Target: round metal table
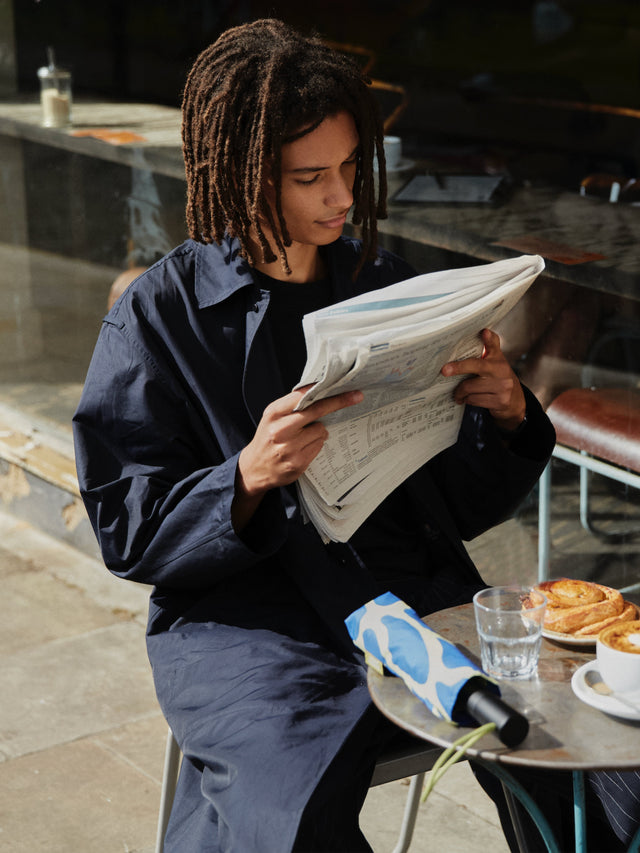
<point>564,732</point>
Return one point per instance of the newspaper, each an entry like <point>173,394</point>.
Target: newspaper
<point>391,344</point>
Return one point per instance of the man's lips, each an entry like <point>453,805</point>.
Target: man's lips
<point>334,222</point>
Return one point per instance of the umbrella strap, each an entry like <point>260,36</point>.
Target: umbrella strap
<point>453,754</point>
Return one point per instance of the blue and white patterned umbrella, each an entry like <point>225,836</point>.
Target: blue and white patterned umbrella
<point>433,668</point>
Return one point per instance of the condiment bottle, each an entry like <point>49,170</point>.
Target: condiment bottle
<point>55,94</point>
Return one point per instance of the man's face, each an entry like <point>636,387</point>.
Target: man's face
<point>318,171</point>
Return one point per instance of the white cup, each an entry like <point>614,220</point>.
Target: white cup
<point>392,152</point>
<point>509,622</point>
<point>618,654</point>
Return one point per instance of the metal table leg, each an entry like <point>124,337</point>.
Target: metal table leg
<point>528,804</point>
<point>579,812</point>
<point>515,791</point>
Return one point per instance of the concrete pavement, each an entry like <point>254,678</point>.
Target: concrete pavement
<point>81,735</point>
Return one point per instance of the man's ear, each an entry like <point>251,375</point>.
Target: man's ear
<point>268,180</point>
<point>268,185</point>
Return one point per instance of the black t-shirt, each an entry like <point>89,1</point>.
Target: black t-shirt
<point>403,556</point>
<point>288,304</point>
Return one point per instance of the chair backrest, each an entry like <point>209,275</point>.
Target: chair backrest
<point>613,360</point>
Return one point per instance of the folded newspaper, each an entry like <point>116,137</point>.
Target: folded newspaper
<point>391,344</point>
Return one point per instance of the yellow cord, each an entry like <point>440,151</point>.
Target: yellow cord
<point>452,754</point>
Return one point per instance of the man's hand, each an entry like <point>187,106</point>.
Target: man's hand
<point>283,447</point>
<point>493,385</point>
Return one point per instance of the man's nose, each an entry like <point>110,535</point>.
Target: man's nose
<point>340,193</point>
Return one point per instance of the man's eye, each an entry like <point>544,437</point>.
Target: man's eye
<point>310,181</point>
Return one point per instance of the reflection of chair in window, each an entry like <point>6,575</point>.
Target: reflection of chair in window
<point>392,92</point>
<point>548,334</point>
<point>148,239</point>
<point>598,429</point>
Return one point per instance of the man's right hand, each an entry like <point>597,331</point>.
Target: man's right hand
<point>284,445</point>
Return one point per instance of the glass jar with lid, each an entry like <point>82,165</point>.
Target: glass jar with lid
<point>55,94</point>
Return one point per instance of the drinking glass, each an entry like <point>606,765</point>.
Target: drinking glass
<point>509,621</point>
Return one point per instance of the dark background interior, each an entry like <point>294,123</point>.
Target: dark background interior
<point>550,87</point>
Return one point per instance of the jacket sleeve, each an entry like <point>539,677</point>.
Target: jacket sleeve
<point>483,477</point>
<point>155,483</point>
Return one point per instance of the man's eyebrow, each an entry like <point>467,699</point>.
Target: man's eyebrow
<point>323,168</point>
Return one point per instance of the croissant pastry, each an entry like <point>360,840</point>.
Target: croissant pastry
<point>583,608</point>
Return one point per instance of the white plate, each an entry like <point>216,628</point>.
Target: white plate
<point>608,704</point>
<point>568,639</point>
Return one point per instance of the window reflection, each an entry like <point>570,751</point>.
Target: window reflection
<point>540,93</point>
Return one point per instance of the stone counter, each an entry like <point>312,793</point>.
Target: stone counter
<point>138,135</point>
<point>585,241</point>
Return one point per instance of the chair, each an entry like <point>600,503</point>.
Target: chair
<point>597,429</point>
<point>597,426</point>
<point>412,760</point>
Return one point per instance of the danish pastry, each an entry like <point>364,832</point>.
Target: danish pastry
<point>583,608</point>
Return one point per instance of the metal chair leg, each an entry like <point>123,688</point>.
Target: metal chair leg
<point>544,523</point>
<point>172,759</point>
<point>514,814</point>
<point>585,515</point>
<point>410,813</point>
<point>586,518</point>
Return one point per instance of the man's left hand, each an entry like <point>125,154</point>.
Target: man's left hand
<point>490,383</point>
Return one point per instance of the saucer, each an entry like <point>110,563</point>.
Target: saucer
<point>568,639</point>
<point>608,704</point>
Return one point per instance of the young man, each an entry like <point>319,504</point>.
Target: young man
<point>188,449</point>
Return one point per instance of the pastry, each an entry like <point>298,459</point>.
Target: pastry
<point>583,608</point>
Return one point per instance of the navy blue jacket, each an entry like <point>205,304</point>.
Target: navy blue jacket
<point>252,664</point>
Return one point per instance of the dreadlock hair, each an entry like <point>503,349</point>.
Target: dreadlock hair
<point>259,86</point>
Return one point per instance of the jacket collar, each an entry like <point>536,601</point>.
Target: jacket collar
<point>220,271</point>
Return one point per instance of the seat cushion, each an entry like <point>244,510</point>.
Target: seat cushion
<point>604,422</point>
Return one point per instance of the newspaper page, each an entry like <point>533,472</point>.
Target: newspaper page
<point>391,344</point>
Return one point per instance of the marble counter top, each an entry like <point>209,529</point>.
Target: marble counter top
<point>585,241</point>
<point>139,135</point>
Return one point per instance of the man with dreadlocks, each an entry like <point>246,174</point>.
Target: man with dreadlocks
<point>188,448</point>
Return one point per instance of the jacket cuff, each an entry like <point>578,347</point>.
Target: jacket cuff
<point>535,437</point>
<point>266,531</point>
